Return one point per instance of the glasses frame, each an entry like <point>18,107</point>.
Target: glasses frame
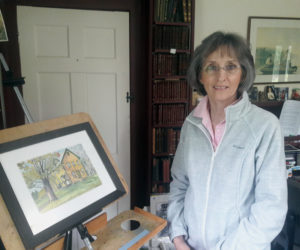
<point>223,68</point>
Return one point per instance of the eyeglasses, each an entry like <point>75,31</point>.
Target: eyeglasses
<point>215,69</point>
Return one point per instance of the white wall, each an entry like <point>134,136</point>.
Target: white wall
<point>232,16</point>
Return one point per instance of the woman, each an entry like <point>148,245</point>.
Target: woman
<point>229,181</point>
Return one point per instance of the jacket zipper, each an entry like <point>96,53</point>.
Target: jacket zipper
<point>207,185</point>
<point>209,180</point>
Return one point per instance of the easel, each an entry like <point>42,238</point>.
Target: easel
<point>110,235</point>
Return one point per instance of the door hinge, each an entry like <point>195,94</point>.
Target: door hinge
<point>129,97</point>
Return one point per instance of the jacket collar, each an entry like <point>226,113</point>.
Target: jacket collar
<point>232,112</point>
<point>235,112</point>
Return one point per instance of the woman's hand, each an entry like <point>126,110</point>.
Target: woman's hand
<point>180,243</point>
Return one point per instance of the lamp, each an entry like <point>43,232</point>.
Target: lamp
<point>3,34</point>
<point>10,81</point>
<point>3,38</point>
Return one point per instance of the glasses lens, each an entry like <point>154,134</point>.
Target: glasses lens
<point>231,68</point>
<point>212,69</point>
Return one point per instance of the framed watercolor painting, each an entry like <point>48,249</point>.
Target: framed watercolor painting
<point>56,180</point>
<point>275,46</point>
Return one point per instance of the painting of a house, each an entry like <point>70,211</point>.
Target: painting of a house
<point>57,177</point>
<point>73,166</point>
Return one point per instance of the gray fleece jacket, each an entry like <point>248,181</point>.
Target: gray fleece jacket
<point>234,198</point>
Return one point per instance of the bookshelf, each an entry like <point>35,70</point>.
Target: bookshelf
<point>282,92</point>
<point>171,36</point>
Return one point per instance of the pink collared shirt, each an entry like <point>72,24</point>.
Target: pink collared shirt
<point>202,111</point>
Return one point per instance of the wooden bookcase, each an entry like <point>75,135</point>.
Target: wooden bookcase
<point>171,36</point>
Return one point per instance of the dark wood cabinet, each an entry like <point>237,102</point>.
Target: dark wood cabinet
<point>274,107</point>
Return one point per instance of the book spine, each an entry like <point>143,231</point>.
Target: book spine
<point>155,170</point>
<point>165,10</point>
<point>179,12</point>
<point>189,10</point>
<point>184,9</point>
<point>166,170</point>
<point>174,10</point>
<point>156,10</point>
<point>153,141</point>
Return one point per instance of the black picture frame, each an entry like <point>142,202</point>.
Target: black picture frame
<point>274,43</point>
<point>10,193</point>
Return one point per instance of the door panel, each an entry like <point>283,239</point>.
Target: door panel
<point>89,89</point>
<point>51,41</point>
<point>93,36</point>
<point>54,95</point>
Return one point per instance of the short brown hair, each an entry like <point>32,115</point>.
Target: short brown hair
<point>213,42</point>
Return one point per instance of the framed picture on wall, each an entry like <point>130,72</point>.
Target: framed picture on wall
<point>56,180</point>
<point>275,46</point>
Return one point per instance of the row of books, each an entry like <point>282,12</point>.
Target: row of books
<point>169,89</point>
<point>171,37</point>
<point>173,10</point>
<point>165,140</point>
<point>161,170</point>
<point>169,114</point>
<point>170,64</point>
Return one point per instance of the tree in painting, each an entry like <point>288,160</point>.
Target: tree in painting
<point>37,173</point>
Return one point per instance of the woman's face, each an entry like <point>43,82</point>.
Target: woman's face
<point>221,76</point>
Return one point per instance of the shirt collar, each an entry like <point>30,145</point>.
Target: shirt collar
<point>202,110</point>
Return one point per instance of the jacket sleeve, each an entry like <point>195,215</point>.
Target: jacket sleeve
<point>178,189</point>
<point>267,214</point>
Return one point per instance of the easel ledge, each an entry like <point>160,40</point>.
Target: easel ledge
<point>8,232</point>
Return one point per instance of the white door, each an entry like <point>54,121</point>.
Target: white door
<point>78,61</point>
